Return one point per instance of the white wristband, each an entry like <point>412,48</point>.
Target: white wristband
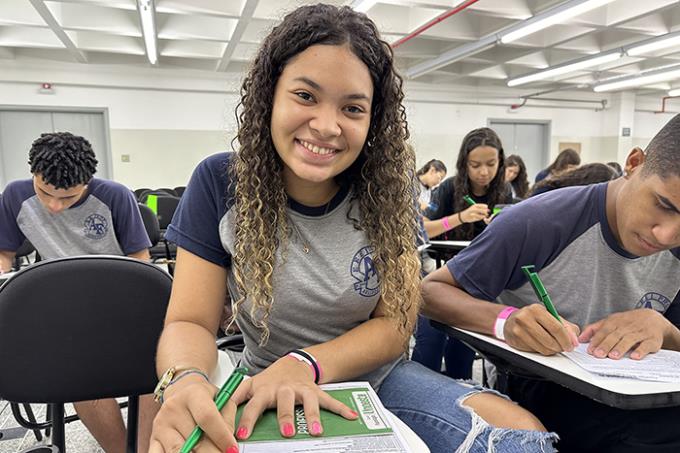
<point>499,325</point>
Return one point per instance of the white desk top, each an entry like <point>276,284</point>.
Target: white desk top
<point>459,244</point>
<point>617,392</point>
<point>423,247</point>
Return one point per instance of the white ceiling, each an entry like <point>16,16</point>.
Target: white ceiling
<point>222,35</point>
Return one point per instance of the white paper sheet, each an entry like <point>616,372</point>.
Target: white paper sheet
<point>663,366</point>
<point>392,442</point>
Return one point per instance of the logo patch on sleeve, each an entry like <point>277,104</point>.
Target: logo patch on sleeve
<point>363,270</point>
<point>655,301</point>
<point>95,226</point>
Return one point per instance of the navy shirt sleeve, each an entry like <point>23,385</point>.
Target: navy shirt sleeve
<point>534,232</point>
<point>11,200</point>
<point>195,225</point>
<point>673,312</point>
<point>441,202</point>
<point>127,220</point>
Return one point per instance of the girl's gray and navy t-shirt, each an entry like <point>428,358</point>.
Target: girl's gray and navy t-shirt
<point>318,295</point>
<point>105,222</point>
<point>565,234</point>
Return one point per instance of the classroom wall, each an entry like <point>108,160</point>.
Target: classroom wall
<point>438,129</point>
<point>169,120</point>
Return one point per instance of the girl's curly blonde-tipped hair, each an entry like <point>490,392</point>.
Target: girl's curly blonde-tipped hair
<point>381,179</point>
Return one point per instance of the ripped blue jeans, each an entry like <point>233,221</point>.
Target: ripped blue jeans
<point>431,405</point>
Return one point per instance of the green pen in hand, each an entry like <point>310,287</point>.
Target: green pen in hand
<point>221,399</point>
<point>540,291</point>
<point>468,199</point>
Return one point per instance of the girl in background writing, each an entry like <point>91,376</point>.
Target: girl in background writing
<point>481,175</point>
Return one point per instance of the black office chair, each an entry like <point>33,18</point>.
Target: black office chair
<point>166,207</point>
<point>169,191</point>
<point>179,190</point>
<point>81,328</point>
<point>21,256</point>
<point>139,192</point>
<point>158,192</point>
<point>153,229</point>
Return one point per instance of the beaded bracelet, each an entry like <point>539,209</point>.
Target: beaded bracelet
<point>181,375</point>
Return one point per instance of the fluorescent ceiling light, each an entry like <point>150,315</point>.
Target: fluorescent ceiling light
<point>363,5</point>
<point>559,14</point>
<point>147,12</point>
<point>675,92</point>
<point>647,78</point>
<point>658,43</point>
<point>451,56</point>
<point>564,68</point>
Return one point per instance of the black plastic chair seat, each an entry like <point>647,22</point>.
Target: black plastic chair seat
<point>81,328</point>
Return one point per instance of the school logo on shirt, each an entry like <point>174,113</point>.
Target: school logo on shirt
<point>95,226</point>
<point>655,301</point>
<point>363,270</point>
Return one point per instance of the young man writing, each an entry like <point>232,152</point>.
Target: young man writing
<point>63,211</point>
<point>608,254</point>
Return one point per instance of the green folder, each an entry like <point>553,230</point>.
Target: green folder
<point>358,399</point>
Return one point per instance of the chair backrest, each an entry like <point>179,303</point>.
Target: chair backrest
<point>140,192</point>
<point>150,223</point>
<point>168,190</point>
<point>158,192</point>
<point>81,328</point>
<point>166,209</point>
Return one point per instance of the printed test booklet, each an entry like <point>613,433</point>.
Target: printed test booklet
<point>662,366</point>
<point>373,431</point>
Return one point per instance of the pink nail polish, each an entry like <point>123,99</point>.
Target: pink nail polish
<point>288,430</point>
<point>316,428</point>
<point>242,432</point>
<point>232,449</point>
<point>353,414</point>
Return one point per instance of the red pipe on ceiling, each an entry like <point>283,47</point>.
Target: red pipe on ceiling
<point>433,22</point>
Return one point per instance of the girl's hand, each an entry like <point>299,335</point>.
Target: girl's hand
<point>284,384</point>
<point>476,212</point>
<point>189,402</point>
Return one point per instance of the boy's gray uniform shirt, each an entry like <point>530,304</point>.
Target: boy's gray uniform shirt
<point>588,275</point>
<point>106,222</point>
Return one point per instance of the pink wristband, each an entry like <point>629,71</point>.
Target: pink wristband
<point>445,222</point>
<point>499,325</point>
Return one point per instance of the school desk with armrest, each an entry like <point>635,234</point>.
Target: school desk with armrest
<point>441,249</point>
<point>619,393</point>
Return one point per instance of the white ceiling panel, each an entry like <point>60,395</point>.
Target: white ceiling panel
<point>465,48</point>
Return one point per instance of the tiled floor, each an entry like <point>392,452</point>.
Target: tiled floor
<point>16,439</point>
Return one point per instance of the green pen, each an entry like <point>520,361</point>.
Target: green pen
<point>540,290</point>
<point>468,199</point>
<point>221,399</point>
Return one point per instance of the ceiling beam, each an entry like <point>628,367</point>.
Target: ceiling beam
<point>7,52</point>
<point>51,21</point>
<point>246,15</point>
